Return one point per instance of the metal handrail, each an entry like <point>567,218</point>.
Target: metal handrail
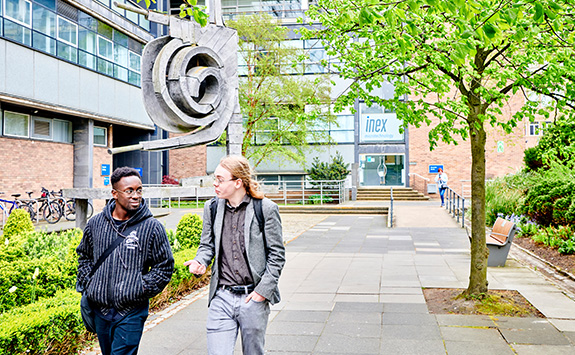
<point>416,174</point>
<point>390,213</point>
<point>453,205</point>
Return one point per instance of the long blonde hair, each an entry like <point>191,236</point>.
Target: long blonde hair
<point>240,168</point>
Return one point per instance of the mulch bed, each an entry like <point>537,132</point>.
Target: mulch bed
<point>563,262</point>
<point>445,301</point>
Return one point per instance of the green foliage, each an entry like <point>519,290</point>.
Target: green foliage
<point>501,198</point>
<point>532,158</point>
<point>190,8</point>
<point>189,230</point>
<point>18,222</point>
<point>283,109</point>
<point>557,145</point>
<point>43,244</point>
<point>317,199</point>
<point>336,170</point>
<point>49,326</point>
<point>551,202</point>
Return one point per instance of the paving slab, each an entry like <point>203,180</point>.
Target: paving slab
<point>352,286</point>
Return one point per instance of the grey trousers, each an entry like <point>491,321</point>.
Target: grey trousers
<point>229,313</point>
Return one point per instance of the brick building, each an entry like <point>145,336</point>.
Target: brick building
<point>69,89</point>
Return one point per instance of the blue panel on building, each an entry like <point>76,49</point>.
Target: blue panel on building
<point>141,171</point>
<point>106,180</point>
<point>433,169</point>
<point>105,168</point>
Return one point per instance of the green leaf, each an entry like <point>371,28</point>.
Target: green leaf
<point>366,17</point>
<point>489,30</point>
<point>193,2</point>
<point>190,11</point>
<point>538,17</point>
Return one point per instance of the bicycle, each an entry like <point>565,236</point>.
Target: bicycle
<point>69,206</point>
<point>15,204</point>
<point>49,208</point>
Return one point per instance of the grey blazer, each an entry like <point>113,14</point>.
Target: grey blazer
<point>265,260</point>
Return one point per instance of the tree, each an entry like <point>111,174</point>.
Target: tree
<point>282,108</point>
<point>459,61</point>
<point>557,145</point>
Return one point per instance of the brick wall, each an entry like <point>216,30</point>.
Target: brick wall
<point>187,162</point>
<point>456,159</point>
<point>27,165</point>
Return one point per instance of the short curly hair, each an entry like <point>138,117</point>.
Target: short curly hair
<point>124,171</point>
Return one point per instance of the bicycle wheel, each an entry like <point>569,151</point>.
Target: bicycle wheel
<point>28,208</point>
<point>90,210</point>
<point>52,212</point>
<point>70,210</point>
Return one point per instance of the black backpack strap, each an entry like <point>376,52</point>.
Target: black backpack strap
<point>259,215</point>
<point>106,253</point>
<point>213,211</point>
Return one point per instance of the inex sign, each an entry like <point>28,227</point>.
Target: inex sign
<point>380,127</point>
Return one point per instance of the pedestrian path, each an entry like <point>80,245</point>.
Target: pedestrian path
<point>353,286</point>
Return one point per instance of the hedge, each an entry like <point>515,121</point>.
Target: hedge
<point>51,326</point>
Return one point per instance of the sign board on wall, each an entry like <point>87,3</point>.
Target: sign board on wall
<point>434,169</point>
<point>380,127</point>
<point>105,169</point>
<point>140,171</point>
<point>106,180</point>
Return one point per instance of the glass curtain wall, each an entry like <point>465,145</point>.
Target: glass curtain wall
<point>72,35</point>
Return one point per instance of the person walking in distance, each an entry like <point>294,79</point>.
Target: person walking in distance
<point>441,180</point>
<point>248,256</point>
<point>138,267</point>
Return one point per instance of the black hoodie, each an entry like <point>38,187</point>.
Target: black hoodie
<point>138,269</point>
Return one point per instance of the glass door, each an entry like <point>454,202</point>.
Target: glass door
<point>381,170</point>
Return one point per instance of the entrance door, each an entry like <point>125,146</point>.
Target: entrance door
<point>381,170</point>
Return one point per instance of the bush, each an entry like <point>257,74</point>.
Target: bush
<point>317,199</point>
<point>49,326</point>
<point>182,280</point>
<point>551,202</point>
<point>189,230</point>
<point>336,170</point>
<point>532,159</point>
<point>169,180</point>
<point>502,198</point>
<point>18,222</point>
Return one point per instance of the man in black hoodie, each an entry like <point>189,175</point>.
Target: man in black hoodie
<point>137,270</point>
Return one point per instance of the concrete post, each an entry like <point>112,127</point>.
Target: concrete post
<point>354,180</point>
<point>235,134</point>
<point>83,164</point>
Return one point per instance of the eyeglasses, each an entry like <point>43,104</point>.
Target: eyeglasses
<point>131,192</point>
<point>219,181</point>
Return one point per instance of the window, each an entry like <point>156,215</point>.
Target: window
<point>19,11</point>
<point>41,128</point>
<point>67,31</point>
<point>537,128</point>
<point>106,52</point>
<point>62,131</point>
<point>16,124</point>
<point>44,25</point>
<point>100,136</point>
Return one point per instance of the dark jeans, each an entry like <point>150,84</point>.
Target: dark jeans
<point>121,336</point>
<point>442,195</point>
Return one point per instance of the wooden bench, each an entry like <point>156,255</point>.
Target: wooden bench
<point>499,242</point>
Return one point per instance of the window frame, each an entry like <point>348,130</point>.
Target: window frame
<point>6,15</point>
<point>105,129</point>
<point>75,45</point>
<point>14,135</point>
<point>33,124</point>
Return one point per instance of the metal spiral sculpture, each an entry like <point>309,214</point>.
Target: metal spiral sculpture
<point>189,81</point>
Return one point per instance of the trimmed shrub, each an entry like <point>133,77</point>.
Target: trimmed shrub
<point>551,202</point>
<point>189,230</point>
<point>336,170</point>
<point>18,222</point>
<point>182,280</point>
<point>49,326</point>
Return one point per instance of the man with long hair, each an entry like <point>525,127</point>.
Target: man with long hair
<point>247,261</point>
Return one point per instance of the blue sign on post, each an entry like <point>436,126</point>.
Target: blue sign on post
<point>105,169</point>
<point>140,171</point>
<point>106,180</point>
<point>434,169</point>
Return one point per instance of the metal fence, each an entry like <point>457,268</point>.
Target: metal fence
<point>455,204</point>
<point>306,192</point>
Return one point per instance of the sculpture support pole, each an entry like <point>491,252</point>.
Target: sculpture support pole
<point>235,134</point>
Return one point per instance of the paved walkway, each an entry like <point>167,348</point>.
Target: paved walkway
<point>353,286</point>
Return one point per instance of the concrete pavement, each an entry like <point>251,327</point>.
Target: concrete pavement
<point>353,286</point>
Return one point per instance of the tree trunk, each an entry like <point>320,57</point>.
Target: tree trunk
<point>479,251</point>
